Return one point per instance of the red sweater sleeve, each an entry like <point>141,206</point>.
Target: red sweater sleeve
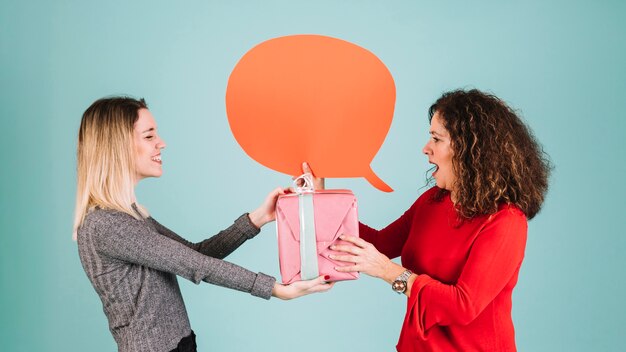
<point>390,240</point>
<point>494,259</point>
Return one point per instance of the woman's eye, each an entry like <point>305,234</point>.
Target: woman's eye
<point>149,137</point>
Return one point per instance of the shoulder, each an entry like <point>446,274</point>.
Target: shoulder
<point>100,216</point>
<point>511,211</point>
<point>101,221</point>
<point>509,217</point>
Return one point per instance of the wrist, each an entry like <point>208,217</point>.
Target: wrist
<point>280,291</point>
<point>392,271</point>
<point>256,218</point>
<point>409,283</point>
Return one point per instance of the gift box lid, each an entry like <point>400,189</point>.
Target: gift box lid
<point>323,191</point>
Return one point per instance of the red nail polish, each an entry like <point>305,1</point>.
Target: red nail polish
<point>326,277</point>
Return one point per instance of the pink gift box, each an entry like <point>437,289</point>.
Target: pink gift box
<point>335,213</point>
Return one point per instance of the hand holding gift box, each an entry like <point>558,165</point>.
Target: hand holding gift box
<point>308,223</point>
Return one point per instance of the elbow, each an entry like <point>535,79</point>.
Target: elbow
<point>467,315</point>
<point>468,309</point>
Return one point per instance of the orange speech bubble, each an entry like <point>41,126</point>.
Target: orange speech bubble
<point>312,98</point>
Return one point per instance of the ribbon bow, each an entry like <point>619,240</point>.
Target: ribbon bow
<point>307,184</point>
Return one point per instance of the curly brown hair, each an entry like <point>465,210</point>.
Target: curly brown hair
<point>496,158</point>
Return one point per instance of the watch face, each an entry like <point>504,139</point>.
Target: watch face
<point>399,286</point>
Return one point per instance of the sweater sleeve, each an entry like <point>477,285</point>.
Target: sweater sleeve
<point>220,245</point>
<point>125,238</point>
<point>391,239</point>
<point>494,258</point>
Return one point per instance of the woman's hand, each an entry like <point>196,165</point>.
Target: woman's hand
<point>302,288</point>
<point>318,182</point>
<point>266,212</point>
<point>365,258</point>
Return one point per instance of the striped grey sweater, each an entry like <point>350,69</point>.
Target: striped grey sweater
<point>133,264</point>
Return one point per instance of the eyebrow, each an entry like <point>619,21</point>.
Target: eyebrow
<point>148,130</point>
<point>435,132</point>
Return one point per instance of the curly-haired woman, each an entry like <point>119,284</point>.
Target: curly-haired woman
<point>462,241</point>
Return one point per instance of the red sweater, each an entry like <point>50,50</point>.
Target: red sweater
<point>461,299</point>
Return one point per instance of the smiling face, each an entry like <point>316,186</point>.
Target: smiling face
<point>148,146</point>
<point>439,152</point>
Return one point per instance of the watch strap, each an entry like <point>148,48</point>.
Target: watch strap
<point>400,284</point>
<point>404,276</point>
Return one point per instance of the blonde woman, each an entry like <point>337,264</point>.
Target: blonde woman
<point>132,260</point>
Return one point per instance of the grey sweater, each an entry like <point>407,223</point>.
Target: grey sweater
<point>133,264</point>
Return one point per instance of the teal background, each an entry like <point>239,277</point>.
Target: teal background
<point>562,64</point>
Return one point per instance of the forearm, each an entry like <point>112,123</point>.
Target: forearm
<point>235,277</point>
<point>223,243</point>
<point>228,240</point>
<point>220,245</point>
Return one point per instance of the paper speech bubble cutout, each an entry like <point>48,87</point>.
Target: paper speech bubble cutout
<point>312,98</point>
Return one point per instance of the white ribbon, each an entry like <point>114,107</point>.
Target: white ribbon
<point>308,244</point>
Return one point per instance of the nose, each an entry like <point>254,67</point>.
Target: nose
<point>161,144</point>
<point>427,149</point>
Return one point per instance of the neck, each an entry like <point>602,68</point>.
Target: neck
<point>453,197</point>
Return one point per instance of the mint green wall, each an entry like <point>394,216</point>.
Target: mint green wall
<point>562,64</point>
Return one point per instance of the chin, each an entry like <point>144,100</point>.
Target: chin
<point>154,174</point>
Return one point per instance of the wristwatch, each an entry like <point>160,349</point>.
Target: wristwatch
<point>399,285</point>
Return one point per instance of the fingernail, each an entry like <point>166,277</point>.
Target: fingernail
<point>342,236</point>
<point>326,277</point>
<point>333,247</point>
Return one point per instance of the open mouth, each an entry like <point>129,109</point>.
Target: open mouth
<point>157,159</point>
<point>436,167</point>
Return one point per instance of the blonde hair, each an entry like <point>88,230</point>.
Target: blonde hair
<point>105,158</point>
